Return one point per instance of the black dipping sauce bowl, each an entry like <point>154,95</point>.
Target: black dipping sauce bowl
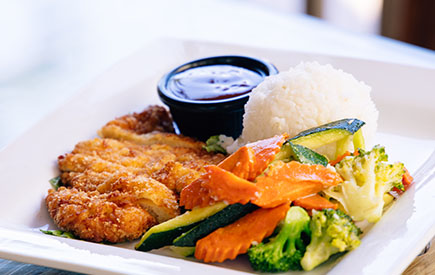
<point>202,118</point>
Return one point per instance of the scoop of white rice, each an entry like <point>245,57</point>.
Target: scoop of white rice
<point>303,97</point>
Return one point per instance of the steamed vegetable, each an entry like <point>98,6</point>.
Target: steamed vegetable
<point>260,181</point>
<point>251,160</point>
<point>407,181</point>
<point>225,186</point>
<point>245,164</point>
<point>164,234</point>
<point>284,251</point>
<point>185,251</point>
<point>235,239</point>
<point>58,233</point>
<point>316,202</point>
<point>302,154</point>
<point>367,177</point>
<point>214,144</point>
<point>285,182</point>
<point>226,216</point>
<point>336,131</point>
<point>332,232</point>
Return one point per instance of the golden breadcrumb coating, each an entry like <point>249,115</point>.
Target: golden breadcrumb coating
<point>113,217</point>
<point>153,118</point>
<point>137,129</point>
<point>176,176</point>
<point>109,156</point>
<point>117,186</point>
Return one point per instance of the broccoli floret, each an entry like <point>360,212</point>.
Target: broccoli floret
<point>332,232</point>
<point>284,251</point>
<point>214,144</point>
<point>367,177</point>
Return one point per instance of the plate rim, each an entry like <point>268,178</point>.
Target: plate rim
<point>34,259</point>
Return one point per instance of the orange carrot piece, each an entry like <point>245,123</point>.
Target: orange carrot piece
<point>306,172</point>
<point>234,239</point>
<point>316,202</point>
<point>339,158</point>
<point>265,151</point>
<point>225,186</point>
<point>252,159</point>
<point>285,182</point>
<point>246,163</point>
<point>282,192</point>
<point>195,195</point>
<point>240,163</point>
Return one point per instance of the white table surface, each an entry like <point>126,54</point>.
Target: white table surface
<point>68,43</point>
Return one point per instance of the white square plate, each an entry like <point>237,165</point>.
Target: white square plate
<point>403,94</point>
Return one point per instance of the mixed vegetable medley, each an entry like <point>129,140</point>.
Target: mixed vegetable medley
<point>284,204</point>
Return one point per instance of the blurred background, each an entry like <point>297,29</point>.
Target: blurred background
<point>49,49</point>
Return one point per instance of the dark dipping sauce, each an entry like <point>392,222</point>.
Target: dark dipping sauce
<point>213,82</point>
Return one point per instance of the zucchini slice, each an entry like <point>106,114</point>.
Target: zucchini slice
<point>164,234</point>
<point>328,133</point>
<point>302,154</point>
<point>185,251</point>
<point>222,218</point>
<point>358,140</point>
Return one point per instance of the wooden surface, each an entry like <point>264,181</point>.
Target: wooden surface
<point>424,264</point>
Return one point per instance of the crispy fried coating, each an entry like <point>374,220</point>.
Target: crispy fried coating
<point>119,185</point>
<point>92,181</point>
<point>110,159</point>
<point>113,217</point>
<point>153,118</point>
<point>176,176</point>
<point>112,155</point>
<point>138,129</point>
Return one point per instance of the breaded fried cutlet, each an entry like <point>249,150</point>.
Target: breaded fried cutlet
<point>151,194</point>
<point>152,119</point>
<point>134,171</point>
<point>136,128</point>
<point>113,217</point>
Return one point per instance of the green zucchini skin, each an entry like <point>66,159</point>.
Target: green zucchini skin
<point>164,238</point>
<point>164,234</point>
<point>185,251</point>
<point>222,218</point>
<point>302,154</point>
<point>327,133</point>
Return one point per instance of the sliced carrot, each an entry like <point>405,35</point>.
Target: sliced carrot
<point>265,151</point>
<point>217,184</point>
<point>240,163</point>
<point>246,163</point>
<point>234,239</point>
<point>252,159</point>
<point>285,182</point>
<point>225,186</point>
<point>316,202</point>
<point>195,194</point>
<point>339,158</point>
<point>282,192</point>
<point>198,194</point>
